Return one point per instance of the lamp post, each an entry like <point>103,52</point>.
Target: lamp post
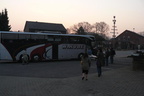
<point>114,31</point>
<point>114,27</point>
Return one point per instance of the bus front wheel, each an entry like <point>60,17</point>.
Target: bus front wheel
<point>21,58</point>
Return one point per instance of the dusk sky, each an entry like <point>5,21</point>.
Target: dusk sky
<point>129,13</point>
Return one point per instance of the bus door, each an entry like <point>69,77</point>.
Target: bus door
<point>54,51</point>
<point>0,46</point>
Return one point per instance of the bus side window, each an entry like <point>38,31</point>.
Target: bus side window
<point>41,38</point>
<point>24,36</point>
<point>23,39</point>
<point>34,37</point>
<point>73,40</point>
<point>65,40</point>
<point>10,41</point>
<point>80,40</point>
<point>38,38</point>
<point>9,37</point>
<point>50,38</point>
<point>87,42</point>
<point>58,39</point>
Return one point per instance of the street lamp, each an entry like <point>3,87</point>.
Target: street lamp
<point>114,27</point>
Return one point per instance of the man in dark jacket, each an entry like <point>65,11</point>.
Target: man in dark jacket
<point>112,53</point>
<point>107,54</point>
<point>100,61</point>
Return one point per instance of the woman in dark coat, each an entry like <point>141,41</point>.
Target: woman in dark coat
<point>85,63</point>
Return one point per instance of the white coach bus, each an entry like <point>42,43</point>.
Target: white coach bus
<point>43,46</point>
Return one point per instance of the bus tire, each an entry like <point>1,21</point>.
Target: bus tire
<point>20,58</point>
<point>36,58</point>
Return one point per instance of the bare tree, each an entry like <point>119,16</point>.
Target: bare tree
<point>68,31</point>
<point>101,28</point>
<point>85,25</point>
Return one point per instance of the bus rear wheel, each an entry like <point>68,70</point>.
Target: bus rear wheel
<point>35,58</point>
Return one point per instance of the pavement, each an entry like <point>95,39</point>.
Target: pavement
<point>121,81</point>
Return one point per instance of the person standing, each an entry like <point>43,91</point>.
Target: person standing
<point>85,64</point>
<point>100,61</point>
<point>112,53</point>
<point>24,57</point>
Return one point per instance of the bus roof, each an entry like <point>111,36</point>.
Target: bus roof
<point>38,33</point>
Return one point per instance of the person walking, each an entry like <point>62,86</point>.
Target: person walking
<point>85,64</point>
<point>112,53</point>
<point>107,54</point>
<point>100,61</point>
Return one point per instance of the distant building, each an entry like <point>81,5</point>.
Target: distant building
<point>42,26</point>
<point>141,33</point>
<point>128,40</point>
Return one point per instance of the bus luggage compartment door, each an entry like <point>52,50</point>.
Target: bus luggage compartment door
<point>55,51</point>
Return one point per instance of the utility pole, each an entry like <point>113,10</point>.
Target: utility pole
<point>114,27</point>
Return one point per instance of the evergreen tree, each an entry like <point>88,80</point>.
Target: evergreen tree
<point>81,31</point>
<point>4,22</point>
<point>0,21</point>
